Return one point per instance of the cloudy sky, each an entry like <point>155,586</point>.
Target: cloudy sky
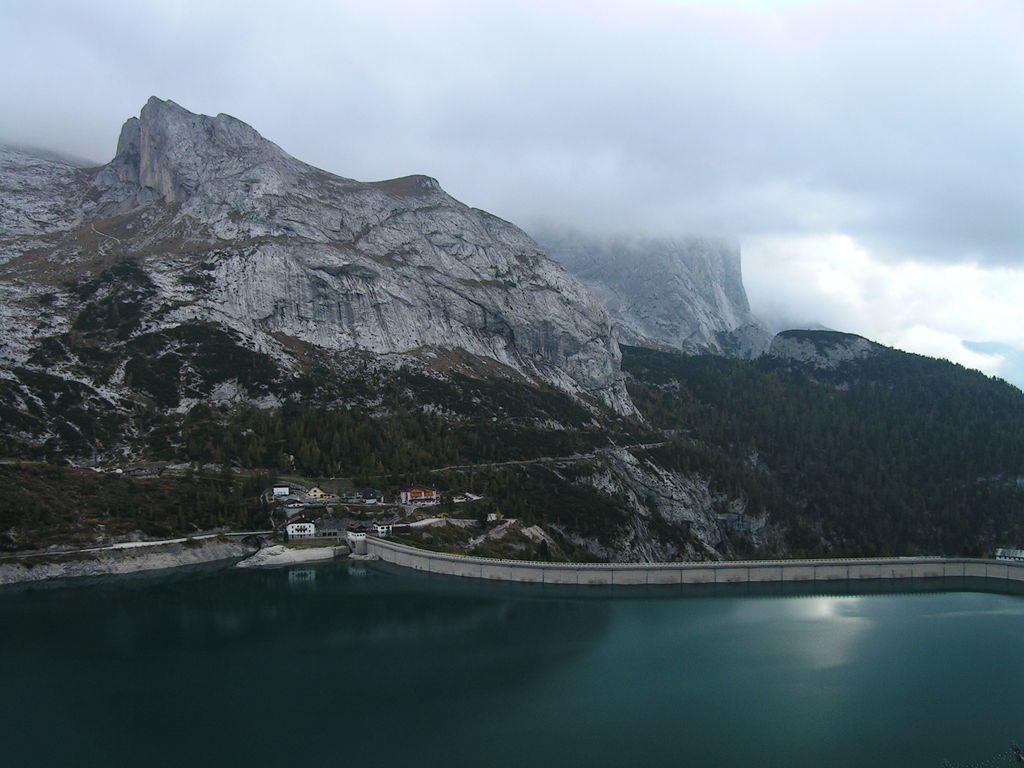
<point>869,155</point>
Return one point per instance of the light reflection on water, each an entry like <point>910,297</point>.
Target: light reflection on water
<point>217,667</point>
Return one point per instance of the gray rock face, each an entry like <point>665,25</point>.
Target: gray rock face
<point>38,192</point>
<point>656,499</point>
<point>230,229</point>
<point>684,294</point>
<point>826,350</point>
<point>109,562</point>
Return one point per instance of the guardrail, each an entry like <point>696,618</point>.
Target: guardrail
<point>722,572</point>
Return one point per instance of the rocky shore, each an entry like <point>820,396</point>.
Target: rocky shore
<point>277,554</point>
<point>106,562</point>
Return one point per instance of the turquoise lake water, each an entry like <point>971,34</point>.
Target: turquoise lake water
<point>343,663</point>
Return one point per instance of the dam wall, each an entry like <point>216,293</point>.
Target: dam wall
<point>729,572</point>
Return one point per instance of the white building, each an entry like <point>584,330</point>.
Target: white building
<point>300,529</point>
<point>1009,554</point>
<point>282,489</point>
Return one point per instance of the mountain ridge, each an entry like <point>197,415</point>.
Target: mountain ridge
<point>229,229</point>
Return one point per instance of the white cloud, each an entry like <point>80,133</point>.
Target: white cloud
<point>919,307</point>
<point>781,122</point>
<point>928,341</point>
<point>893,120</point>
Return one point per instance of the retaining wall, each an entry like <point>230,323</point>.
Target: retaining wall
<point>732,572</point>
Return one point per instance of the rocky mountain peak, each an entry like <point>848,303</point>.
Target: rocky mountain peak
<point>216,225</point>
<point>168,154</point>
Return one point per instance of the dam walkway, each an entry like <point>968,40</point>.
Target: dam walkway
<point>727,572</point>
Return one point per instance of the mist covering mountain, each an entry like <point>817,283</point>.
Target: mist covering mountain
<point>683,293</point>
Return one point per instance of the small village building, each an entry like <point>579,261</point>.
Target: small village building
<point>391,527</point>
<point>282,489</point>
<point>371,496</point>
<point>317,494</point>
<point>1004,553</point>
<point>420,494</point>
<point>300,528</point>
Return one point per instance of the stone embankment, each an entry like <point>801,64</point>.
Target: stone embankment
<point>730,572</point>
<point>118,560</point>
<point>277,554</point>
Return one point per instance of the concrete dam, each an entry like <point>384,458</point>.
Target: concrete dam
<point>728,572</point>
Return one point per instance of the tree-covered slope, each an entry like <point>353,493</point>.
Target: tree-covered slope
<point>884,453</point>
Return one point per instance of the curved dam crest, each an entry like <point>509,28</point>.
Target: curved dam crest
<point>729,572</point>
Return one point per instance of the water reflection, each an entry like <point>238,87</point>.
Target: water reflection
<point>354,662</point>
<point>327,610</point>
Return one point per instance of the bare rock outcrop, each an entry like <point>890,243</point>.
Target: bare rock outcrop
<point>228,229</point>
<point>826,350</point>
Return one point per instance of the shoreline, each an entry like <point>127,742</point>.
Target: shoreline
<point>274,555</point>
<point>118,560</point>
<point>250,551</point>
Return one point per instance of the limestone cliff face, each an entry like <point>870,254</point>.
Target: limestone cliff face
<point>826,350</point>
<point>39,192</point>
<point>672,516</point>
<point>229,229</point>
<point>685,293</point>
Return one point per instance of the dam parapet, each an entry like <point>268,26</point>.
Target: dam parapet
<point>724,572</point>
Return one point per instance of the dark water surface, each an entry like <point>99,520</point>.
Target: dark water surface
<point>342,664</point>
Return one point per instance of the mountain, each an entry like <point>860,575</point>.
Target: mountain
<point>205,303</point>
<point>676,293</point>
<point>842,446</point>
<point>203,262</point>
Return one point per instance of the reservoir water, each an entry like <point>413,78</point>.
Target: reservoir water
<point>346,664</point>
